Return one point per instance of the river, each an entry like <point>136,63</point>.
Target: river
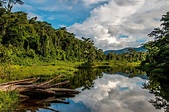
<point>108,90</point>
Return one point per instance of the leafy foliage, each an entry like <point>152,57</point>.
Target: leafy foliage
<point>32,39</point>
<point>157,60</point>
<point>131,56</point>
<point>8,101</point>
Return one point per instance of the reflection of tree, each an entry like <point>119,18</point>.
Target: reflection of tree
<point>126,70</point>
<point>85,78</point>
<point>156,64</point>
<point>160,87</point>
<point>34,105</point>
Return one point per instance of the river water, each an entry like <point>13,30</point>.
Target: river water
<point>107,92</point>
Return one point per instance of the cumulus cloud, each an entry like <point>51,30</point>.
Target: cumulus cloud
<point>132,18</point>
<point>116,93</point>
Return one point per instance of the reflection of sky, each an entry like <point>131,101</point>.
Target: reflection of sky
<point>112,93</point>
<point>72,107</point>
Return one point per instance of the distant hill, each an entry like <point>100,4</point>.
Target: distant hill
<point>139,49</point>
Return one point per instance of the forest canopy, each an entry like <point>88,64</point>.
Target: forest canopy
<point>21,38</point>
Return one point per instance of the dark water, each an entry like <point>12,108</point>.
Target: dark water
<point>109,90</point>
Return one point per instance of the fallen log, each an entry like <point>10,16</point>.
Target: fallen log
<point>30,88</point>
<point>24,81</point>
<point>20,88</point>
<point>59,84</point>
<point>47,82</point>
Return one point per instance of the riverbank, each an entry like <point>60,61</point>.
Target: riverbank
<point>65,68</point>
<point>16,72</point>
<point>109,64</point>
<point>47,71</point>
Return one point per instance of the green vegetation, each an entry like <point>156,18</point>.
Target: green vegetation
<point>28,42</point>
<point>130,56</point>
<point>156,63</point>
<point>8,101</point>
<point>15,72</point>
<point>157,59</point>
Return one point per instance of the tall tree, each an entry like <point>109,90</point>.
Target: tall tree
<point>8,4</point>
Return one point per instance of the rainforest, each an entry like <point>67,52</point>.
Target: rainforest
<point>31,48</point>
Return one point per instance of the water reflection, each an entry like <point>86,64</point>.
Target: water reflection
<point>125,70</point>
<point>117,93</point>
<point>85,77</point>
<point>43,102</point>
<point>111,93</point>
<point>160,87</point>
<point>103,90</point>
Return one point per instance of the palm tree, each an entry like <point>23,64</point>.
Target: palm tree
<point>8,4</point>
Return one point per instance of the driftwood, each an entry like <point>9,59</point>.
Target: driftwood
<point>34,95</point>
<point>29,88</point>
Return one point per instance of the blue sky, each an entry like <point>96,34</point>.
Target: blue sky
<point>112,24</point>
<point>58,12</point>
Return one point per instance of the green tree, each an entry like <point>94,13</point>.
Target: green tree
<point>8,4</point>
<point>157,60</point>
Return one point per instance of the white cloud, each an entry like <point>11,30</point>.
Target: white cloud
<point>39,17</point>
<point>116,93</point>
<point>91,2</point>
<point>133,18</point>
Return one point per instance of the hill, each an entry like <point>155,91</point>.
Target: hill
<point>138,49</point>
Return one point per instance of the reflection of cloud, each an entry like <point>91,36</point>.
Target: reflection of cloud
<point>116,93</point>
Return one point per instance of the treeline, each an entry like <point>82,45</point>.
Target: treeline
<point>130,56</point>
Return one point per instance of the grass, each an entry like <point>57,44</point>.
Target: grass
<point>8,101</point>
<point>15,72</point>
<point>65,68</point>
